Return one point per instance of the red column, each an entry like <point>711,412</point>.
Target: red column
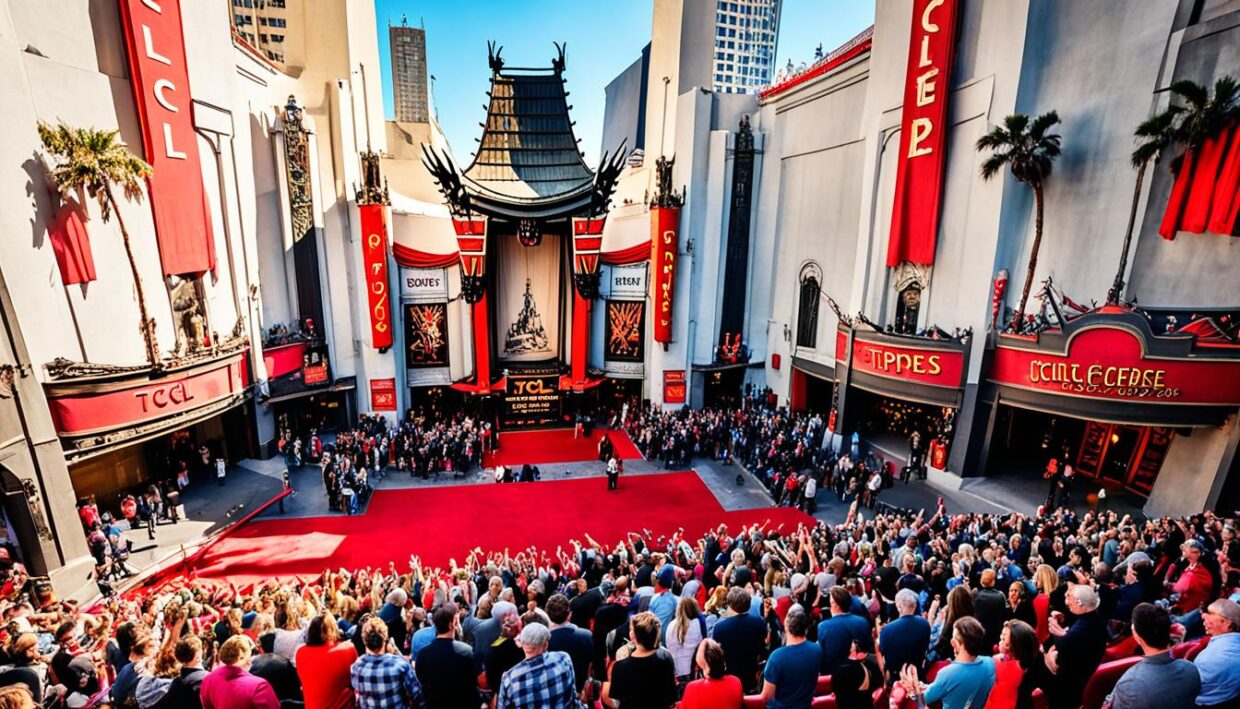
<point>482,346</point>
<point>581,340</point>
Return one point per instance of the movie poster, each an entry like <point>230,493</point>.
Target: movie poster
<point>426,335</point>
<point>626,326</point>
<point>528,308</point>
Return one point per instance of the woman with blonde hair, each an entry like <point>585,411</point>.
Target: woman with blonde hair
<point>1046,581</point>
<point>717,603</point>
<point>684,632</point>
<point>16,696</point>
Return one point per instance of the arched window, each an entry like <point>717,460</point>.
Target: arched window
<point>807,313</point>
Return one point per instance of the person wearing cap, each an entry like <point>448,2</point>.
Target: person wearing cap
<point>1217,663</point>
<point>663,604</point>
<point>1159,681</point>
<point>543,680</point>
<point>1195,584</point>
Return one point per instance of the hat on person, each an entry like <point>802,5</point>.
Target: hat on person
<point>606,586</point>
<point>396,597</point>
<point>1226,608</point>
<point>667,576</point>
<point>798,582</point>
<point>1194,544</point>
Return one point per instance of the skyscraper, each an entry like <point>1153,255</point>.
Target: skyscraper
<point>746,33</point>
<point>409,72</point>
<point>263,24</point>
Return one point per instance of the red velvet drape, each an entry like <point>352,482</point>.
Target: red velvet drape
<point>1206,193</point>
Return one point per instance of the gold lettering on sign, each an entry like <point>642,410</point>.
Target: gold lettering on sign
<point>923,127</point>
<point>903,362</point>
<point>1098,378</point>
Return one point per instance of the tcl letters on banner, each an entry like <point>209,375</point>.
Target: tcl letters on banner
<point>664,240</point>
<point>923,129</point>
<point>374,260</point>
<point>156,49</point>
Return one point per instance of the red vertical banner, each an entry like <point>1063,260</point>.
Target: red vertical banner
<point>664,222</point>
<point>375,261</point>
<point>160,78</point>
<point>923,133</point>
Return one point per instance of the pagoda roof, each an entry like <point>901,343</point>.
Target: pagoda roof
<point>528,164</point>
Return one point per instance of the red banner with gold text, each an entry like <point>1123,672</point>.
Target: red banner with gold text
<point>664,222</point>
<point>923,130</point>
<point>156,49</point>
<point>374,260</point>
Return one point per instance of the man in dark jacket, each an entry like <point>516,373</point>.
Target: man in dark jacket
<point>184,692</point>
<point>1078,649</point>
<point>990,607</point>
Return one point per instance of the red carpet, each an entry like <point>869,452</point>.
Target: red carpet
<point>556,446</point>
<point>443,522</point>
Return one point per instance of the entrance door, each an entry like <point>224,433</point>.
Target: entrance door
<point>1118,461</point>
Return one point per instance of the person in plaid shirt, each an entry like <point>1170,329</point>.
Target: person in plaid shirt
<point>543,680</point>
<point>383,678</point>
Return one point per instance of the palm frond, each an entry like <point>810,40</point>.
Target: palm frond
<point>993,164</point>
<point>91,159</point>
<point>1192,93</point>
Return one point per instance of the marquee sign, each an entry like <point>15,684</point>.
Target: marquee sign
<point>1112,363</point>
<point>627,282</point>
<point>923,131</point>
<point>664,222</point>
<point>160,78</point>
<point>382,394</point>
<point>375,261</point>
<point>135,402</point>
<point>424,285</point>
<point>912,362</point>
<point>674,390</point>
<point>532,400</point>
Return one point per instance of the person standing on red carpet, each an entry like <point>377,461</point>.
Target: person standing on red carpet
<point>613,472</point>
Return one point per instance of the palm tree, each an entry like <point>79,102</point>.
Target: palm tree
<point>94,160</point>
<point>1024,146</point>
<point>1206,113</point>
<point>1154,135</point>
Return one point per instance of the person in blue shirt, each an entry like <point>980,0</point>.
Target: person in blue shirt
<point>1220,682</point>
<point>663,603</point>
<point>906,639</point>
<point>743,637</point>
<point>964,683</point>
<point>835,634</point>
<point>791,672</point>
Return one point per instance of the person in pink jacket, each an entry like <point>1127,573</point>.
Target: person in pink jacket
<point>231,686</point>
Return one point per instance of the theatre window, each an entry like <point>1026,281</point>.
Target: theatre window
<point>807,312</point>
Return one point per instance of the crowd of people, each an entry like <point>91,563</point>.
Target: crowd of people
<point>969,610</point>
<point>784,450</point>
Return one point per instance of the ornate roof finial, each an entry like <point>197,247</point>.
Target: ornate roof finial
<point>494,58</point>
<point>558,62</point>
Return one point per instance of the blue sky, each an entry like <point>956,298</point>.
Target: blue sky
<point>603,38</point>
